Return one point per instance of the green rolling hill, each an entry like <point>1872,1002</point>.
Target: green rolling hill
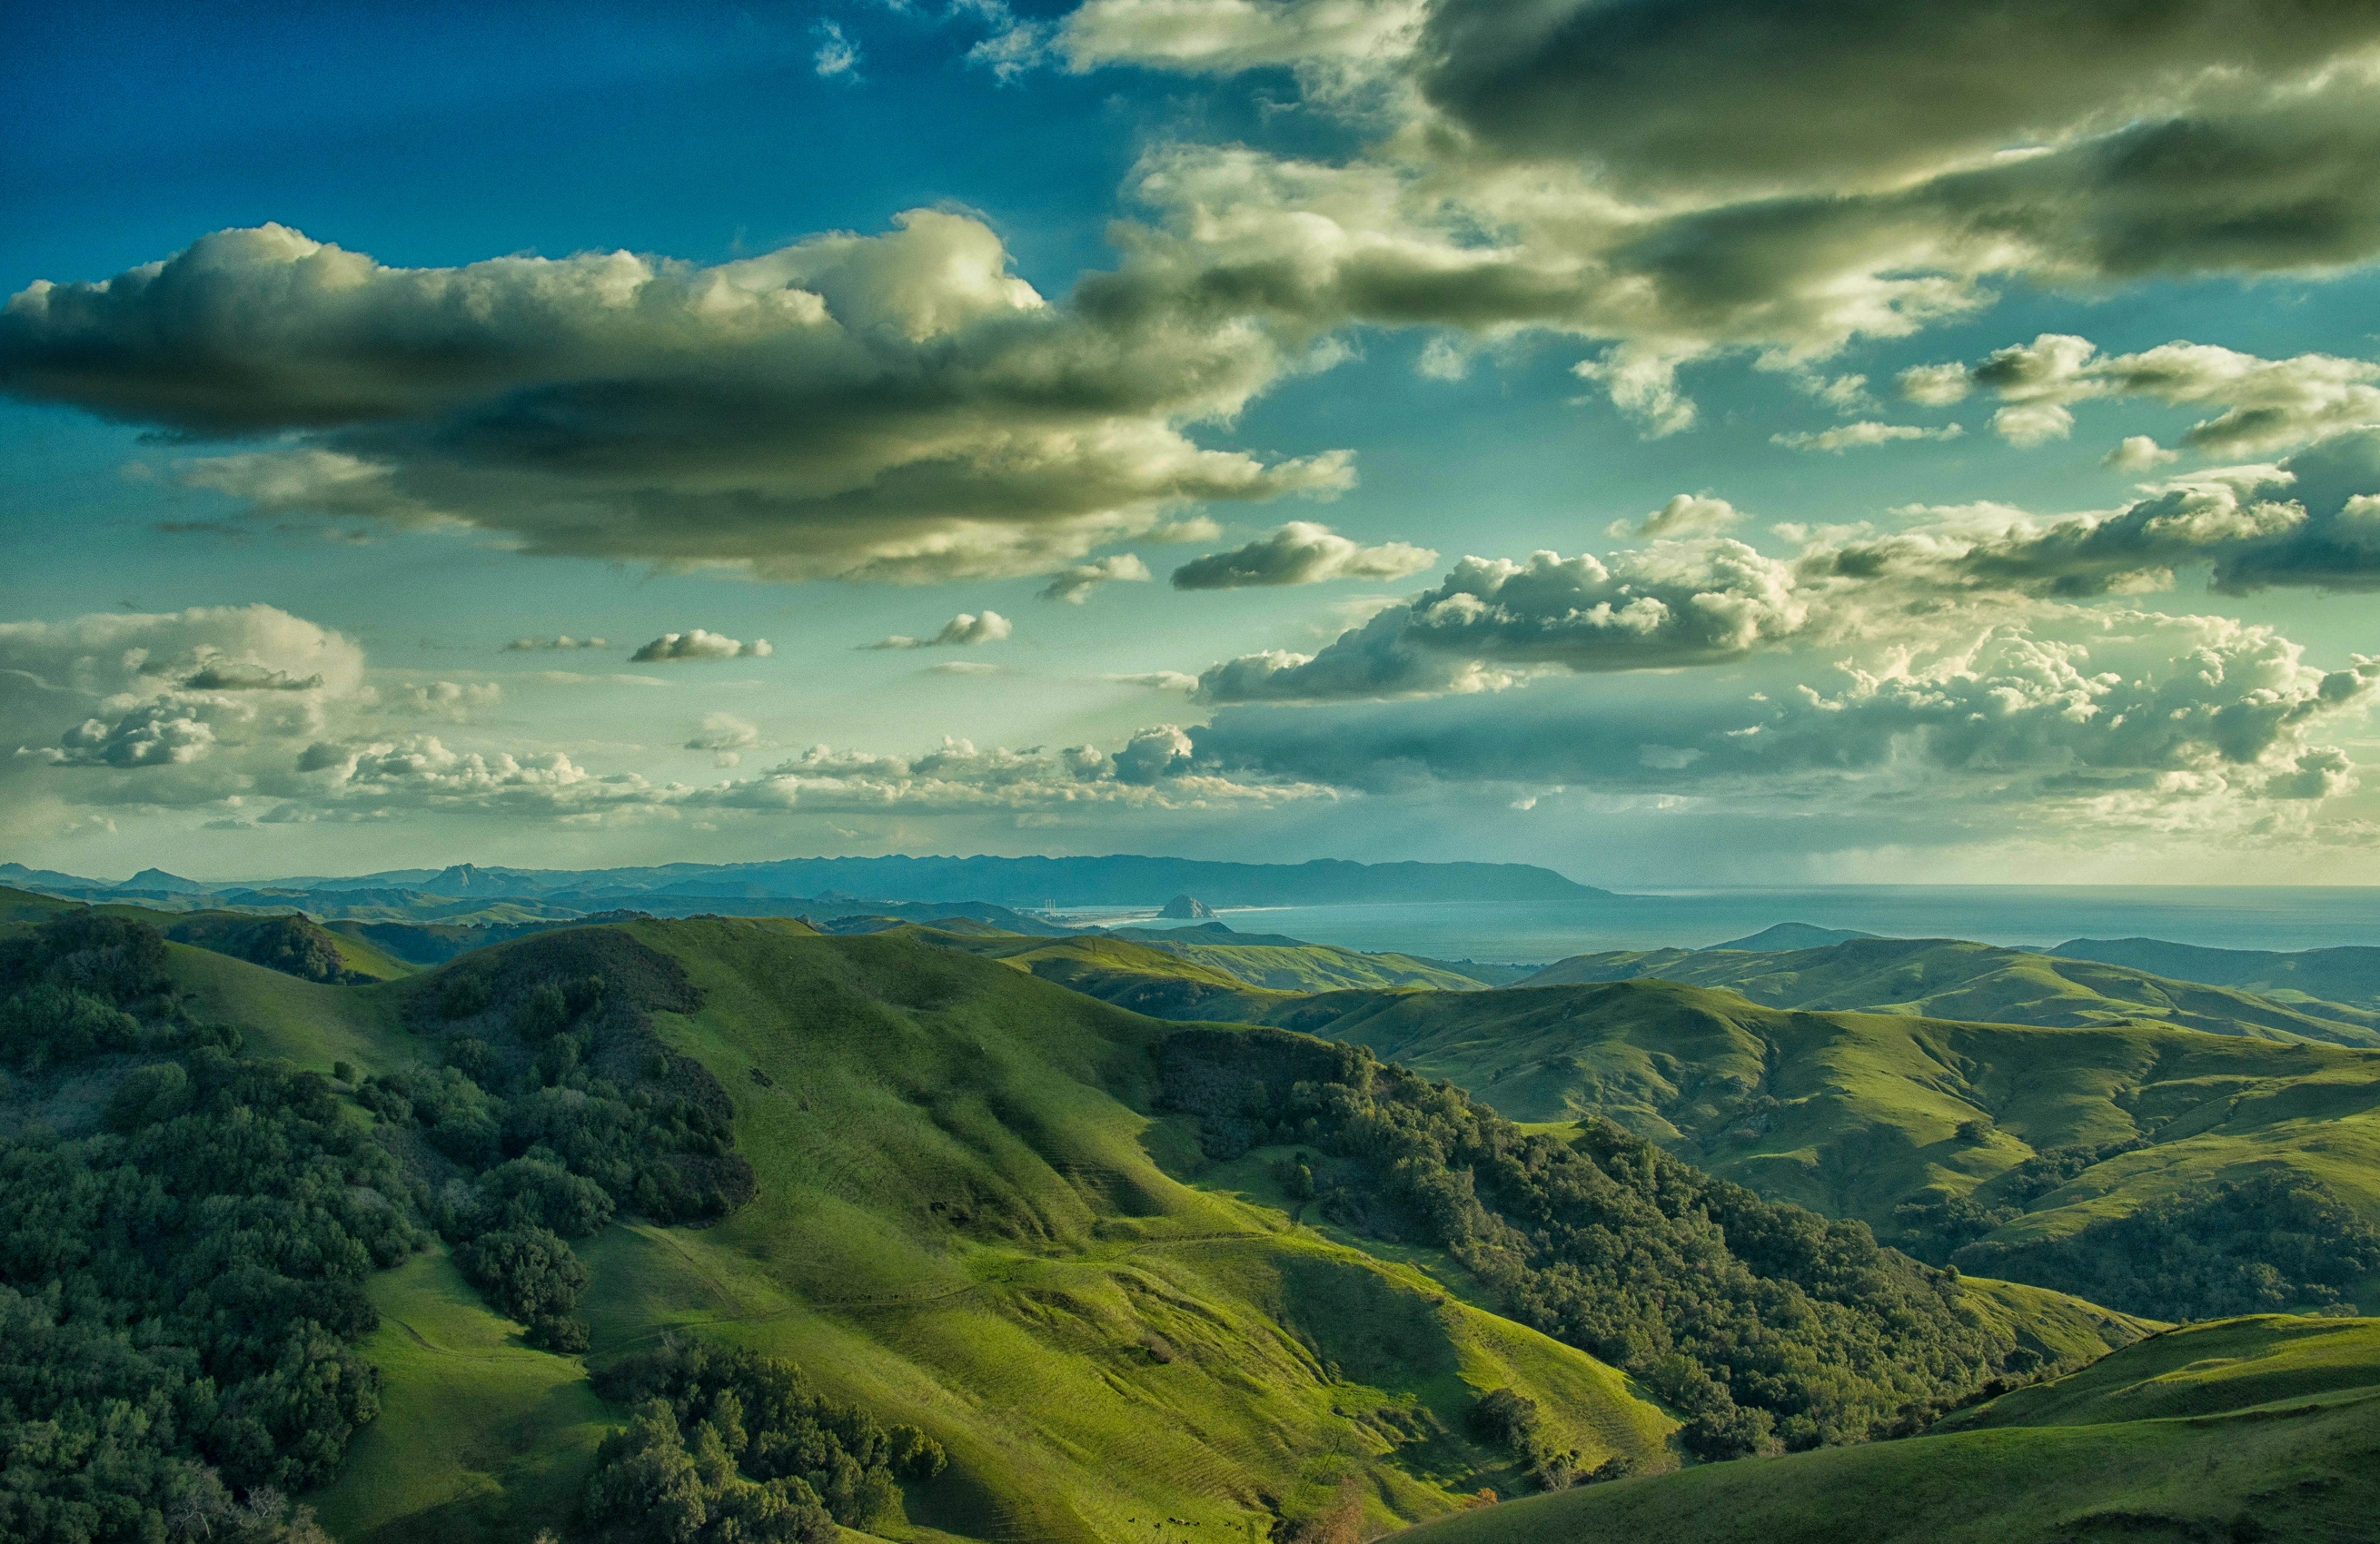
<point>962,1222</point>
<point>2248,1429</point>
<point>1946,979</point>
<point>978,1208</point>
<point>2042,1130</point>
<point>974,1214</point>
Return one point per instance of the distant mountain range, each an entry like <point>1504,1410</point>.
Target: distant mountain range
<point>1035,883</point>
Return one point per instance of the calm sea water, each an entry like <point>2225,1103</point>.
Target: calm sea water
<point>2262,917</point>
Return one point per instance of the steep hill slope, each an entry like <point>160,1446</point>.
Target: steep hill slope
<point>974,1214</point>
<point>1948,979</point>
<point>2258,1429</point>
<point>291,942</point>
<point>959,1223</point>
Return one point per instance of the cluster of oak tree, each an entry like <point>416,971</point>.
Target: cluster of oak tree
<point>183,1264</point>
<point>1766,1324</point>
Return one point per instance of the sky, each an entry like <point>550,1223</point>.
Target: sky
<point>1714,442</point>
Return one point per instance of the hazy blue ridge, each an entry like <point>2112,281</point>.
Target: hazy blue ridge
<point>2350,974</point>
<point>1120,880</point>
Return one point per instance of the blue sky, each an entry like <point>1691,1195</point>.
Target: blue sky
<point>1365,273</point>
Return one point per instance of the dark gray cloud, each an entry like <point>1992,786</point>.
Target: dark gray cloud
<point>1705,93</point>
<point>894,406</point>
<point>246,676</point>
<point>1077,582</point>
<point>1301,553</point>
<point>2266,190</point>
<point>1669,179</point>
<point>1696,177</point>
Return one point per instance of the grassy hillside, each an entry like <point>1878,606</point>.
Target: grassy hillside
<point>1194,977</point>
<point>963,1223</point>
<point>477,1432</point>
<point>2205,1370</point>
<point>24,905</point>
<point>1853,1113</point>
<point>2260,1428</point>
<point>1288,964</point>
<point>1129,975</point>
<point>1947,978</point>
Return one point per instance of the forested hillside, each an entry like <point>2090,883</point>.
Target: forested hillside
<point>191,1236</point>
<point>1979,1143</point>
<point>941,1213</point>
<point>1766,1324</point>
<point>186,1235</point>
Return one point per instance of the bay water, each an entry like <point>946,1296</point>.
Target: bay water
<point>2280,917</point>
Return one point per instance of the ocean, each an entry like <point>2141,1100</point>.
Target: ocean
<point>2017,916</point>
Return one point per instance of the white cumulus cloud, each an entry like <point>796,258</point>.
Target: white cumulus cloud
<point>698,644</point>
<point>959,631</point>
<point>1856,436</point>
